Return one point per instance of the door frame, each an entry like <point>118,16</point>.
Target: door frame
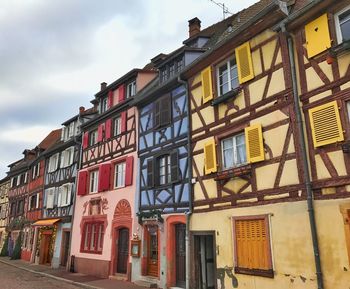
<point>64,237</point>
<point>171,222</point>
<point>193,234</point>
<point>117,249</point>
<point>45,234</point>
<point>147,244</point>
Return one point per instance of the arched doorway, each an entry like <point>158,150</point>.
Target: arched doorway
<point>121,226</point>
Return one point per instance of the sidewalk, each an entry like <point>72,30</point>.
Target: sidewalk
<point>81,280</point>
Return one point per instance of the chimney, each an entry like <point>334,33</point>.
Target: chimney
<point>81,110</point>
<point>103,85</point>
<point>194,27</point>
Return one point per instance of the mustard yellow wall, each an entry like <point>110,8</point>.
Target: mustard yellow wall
<point>291,244</point>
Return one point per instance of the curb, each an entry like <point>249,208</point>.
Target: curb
<point>82,285</point>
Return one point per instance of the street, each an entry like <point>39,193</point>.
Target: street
<point>14,278</point>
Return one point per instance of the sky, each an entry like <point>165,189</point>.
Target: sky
<point>55,53</point>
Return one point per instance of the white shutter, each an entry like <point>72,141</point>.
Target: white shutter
<point>25,177</point>
<point>50,198</point>
<point>37,200</point>
<point>59,199</point>
<point>69,195</point>
<point>71,156</point>
<point>38,169</point>
<point>63,159</point>
<point>56,163</point>
<point>29,203</point>
<point>63,131</point>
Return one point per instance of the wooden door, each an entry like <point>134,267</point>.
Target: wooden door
<point>65,248</point>
<point>153,254</point>
<point>45,255</point>
<point>180,243</point>
<point>204,262</point>
<point>123,250</point>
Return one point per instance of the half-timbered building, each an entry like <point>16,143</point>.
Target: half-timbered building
<point>4,188</point>
<point>33,210</point>
<point>53,230</point>
<point>320,37</point>
<point>104,211</point>
<point>164,183</point>
<point>251,225</point>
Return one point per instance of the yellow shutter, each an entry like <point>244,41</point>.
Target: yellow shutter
<point>210,157</point>
<point>254,143</point>
<point>244,63</point>
<point>207,88</point>
<point>325,124</point>
<point>252,244</point>
<point>317,36</point>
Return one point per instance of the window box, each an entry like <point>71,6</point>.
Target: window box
<point>234,172</point>
<point>227,96</point>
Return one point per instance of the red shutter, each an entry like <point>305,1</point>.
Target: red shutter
<point>85,140</point>
<point>121,90</point>
<point>129,164</point>
<point>100,132</point>
<point>110,99</point>
<point>123,120</point>
<point>82,183</point>
<point>103,177</point>
<point>108,128</point>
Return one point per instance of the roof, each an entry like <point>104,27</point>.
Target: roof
<point>50,139</point>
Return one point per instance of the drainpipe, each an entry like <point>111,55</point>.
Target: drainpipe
<point>308,185</point>
<point>189,212</point>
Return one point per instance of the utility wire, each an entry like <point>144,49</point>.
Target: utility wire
<point>223,7</point>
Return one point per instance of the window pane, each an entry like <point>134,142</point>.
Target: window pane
<point>234,76</point>
<point>86,243</point>
<point>241,151</point>
<point>345,30</point>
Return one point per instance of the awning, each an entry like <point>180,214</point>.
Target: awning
<point>47,222</point>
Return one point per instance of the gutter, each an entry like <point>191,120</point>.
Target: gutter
<point>189,212</point>
<point>306,165</point>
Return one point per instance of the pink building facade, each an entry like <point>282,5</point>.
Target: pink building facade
<point>104,218</point>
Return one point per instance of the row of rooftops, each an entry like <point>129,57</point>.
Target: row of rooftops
<point>210,38</point>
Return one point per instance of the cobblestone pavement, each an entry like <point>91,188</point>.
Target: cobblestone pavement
<point>14,278</point>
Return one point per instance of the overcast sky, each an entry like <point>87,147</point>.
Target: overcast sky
<point>55,53</point>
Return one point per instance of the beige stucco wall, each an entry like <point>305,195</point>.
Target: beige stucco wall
<point>292,250</point>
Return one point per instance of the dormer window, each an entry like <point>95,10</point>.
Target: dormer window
<point>104,104</point>
<point>131,89</point>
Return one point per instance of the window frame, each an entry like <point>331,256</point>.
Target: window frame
<point>94,179</point>
<point>118,126</point>
<point>254,271</point>
<point>337,24</point>
<point>234,147</point>
<point>227,62</point>
<point>167,170</point>
<point>132,91</point>
<point>53,166</point>
<point>85,246</point>
<point>93,133</point>
<point>123,173</point>
<point>104,104</point>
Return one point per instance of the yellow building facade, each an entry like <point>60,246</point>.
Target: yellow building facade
<point>251,225</point>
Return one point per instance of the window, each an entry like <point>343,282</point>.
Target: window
<point>171,70</point>
<point>20,207</point>
<point>227,77</point>
<point>179,65</point>
<point>342,22</point>
<point>33,202</point>
<point>131,89</point>
<point>119,179</point>
<point>233,151</point>
<point>36,171</point>
<point>162,111</point>
<point>53,163</point>
<point>67,157</point>
<point>13,209</point>
<point>104,104</point>
<point>50,198</point>
<point>93,137</point>
<point>252,246</point>
<point>71,129</point>
<point>163,75</point>
<point>93,181</point>
<point>93,233</point>
<point>64,197</point>
<point>163,170</point>
<point>117,126</point>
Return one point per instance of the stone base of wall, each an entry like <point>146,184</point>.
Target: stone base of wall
<point>93,267</point>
